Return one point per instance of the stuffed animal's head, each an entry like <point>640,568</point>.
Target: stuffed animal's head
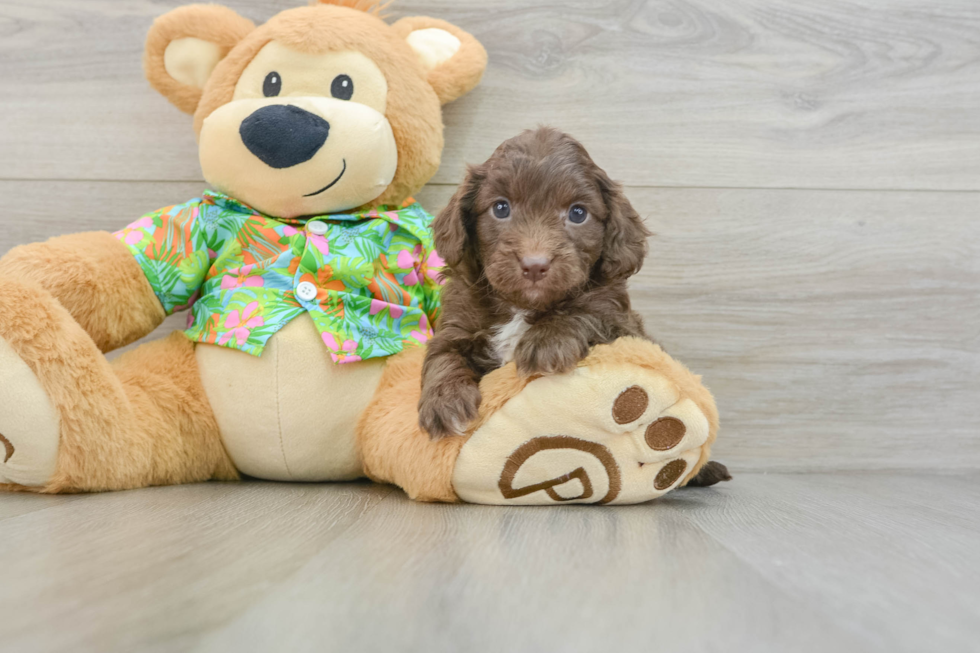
<point>320,110</point>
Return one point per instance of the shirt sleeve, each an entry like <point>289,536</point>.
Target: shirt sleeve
<point>173,248</point>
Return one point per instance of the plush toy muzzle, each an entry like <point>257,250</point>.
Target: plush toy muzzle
<point>298,156</point>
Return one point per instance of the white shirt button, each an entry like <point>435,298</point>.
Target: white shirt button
<point>316,227</point>
<point>306,291</point>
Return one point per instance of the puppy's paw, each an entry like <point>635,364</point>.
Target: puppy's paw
<point>448,408</point>
<point>549,352</point>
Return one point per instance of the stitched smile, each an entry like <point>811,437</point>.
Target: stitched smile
<point>332,183</point>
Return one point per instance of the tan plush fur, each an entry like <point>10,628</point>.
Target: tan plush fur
<point>393,447</point>
<point>212,23</point>
<point>143,420</point>
<point>95,277</point>
<point>367,6</point>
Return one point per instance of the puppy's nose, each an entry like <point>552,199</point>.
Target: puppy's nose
<point>535,267</point>
<point>283,135</point>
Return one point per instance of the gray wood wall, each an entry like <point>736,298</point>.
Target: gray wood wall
<point>811,170</point>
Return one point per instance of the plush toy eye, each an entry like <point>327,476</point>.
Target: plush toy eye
<point>501,209</point>
<point>342,87</point>
<point>272,85</point>
<point>578,214</point>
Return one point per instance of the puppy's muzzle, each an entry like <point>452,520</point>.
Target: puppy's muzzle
<point>283,135</point>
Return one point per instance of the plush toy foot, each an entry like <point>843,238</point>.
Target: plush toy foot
<point>72,422</point>
<point>29,425</point>
<point>628,425</point>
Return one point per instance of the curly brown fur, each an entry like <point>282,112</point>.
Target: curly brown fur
<point>539,243</point>
<point>713,472</point>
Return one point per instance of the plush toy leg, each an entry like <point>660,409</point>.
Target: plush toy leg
<point>71,422</point>
<point>628,425</point>
<point>393,448</point>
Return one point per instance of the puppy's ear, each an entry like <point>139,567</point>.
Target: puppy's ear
<point>625,243</point>
<point>453,227</point>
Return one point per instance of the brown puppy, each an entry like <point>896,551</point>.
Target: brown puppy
<point>538,242</point>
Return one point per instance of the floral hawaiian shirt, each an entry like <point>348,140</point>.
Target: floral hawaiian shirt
<point>370,280</point>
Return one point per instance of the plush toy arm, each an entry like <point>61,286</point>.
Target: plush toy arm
<point>175,246</point>
<point>96,279</point>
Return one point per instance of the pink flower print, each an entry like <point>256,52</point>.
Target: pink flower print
<point>190,302</point>
<point>390,215</point>
<point>432,268</point>
<point>242,278</point>
<point>289,231</point>
<point>407,259</point>
<point>377,306</point>
<point>320,243</point>
<point>133,234</point>
<point>240,325</point>
<point>425,331</point>
<point>340,353</point>
<point>330,341</point>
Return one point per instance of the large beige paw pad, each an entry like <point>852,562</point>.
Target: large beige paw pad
<point>30,429</point>
<point>617,434</point>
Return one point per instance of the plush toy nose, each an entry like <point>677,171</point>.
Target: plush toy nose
<point>283,135</point>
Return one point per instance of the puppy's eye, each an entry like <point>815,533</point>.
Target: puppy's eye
<point>342,87</point>
<point>272,85</point>
<point>501,209</point>
<point>578,214</point>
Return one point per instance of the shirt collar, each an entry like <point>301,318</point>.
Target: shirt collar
<point>230,203</point>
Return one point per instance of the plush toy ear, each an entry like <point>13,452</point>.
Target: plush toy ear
<point>454,60</point>
<point>184,46</point>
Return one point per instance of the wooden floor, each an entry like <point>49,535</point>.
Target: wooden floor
<point>811,169</point>
<point>769,562</point>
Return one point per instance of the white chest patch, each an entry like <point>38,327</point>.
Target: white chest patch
<point>506,336</point>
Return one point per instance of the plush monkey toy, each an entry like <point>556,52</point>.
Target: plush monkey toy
<point>311,283</point>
